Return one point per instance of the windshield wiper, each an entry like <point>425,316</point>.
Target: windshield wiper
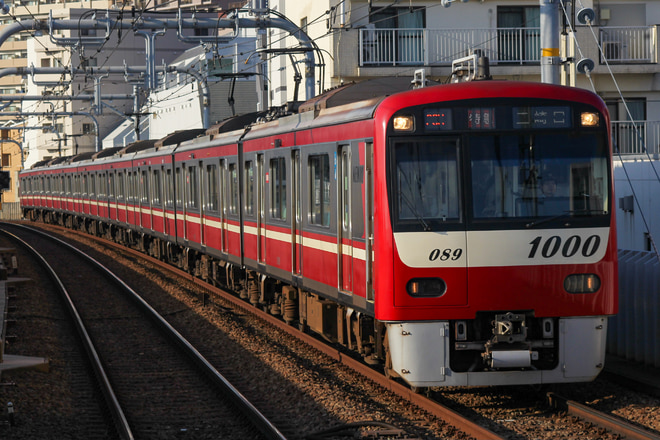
<point>571,213</point>
<point>413,209</point>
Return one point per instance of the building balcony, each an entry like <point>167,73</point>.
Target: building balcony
<point>636,138</point>
<point>503,46</point>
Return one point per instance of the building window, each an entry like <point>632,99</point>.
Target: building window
<point>518,33</point>
<point>88,128</point>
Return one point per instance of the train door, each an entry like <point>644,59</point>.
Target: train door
<point>369,219</point>
<point>296,201</point>
<point>344,231</point>
<point>261,226</point>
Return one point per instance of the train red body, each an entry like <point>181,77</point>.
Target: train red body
<point>363,222</point>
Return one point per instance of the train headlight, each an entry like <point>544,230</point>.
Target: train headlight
<point>404,123</point>
<point>589,119</point>
<point>426,287</point>
<point>582,283</point>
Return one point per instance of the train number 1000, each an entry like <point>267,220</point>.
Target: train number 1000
<point>569,248</point>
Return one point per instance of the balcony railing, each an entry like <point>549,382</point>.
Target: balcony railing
<point>439,47</point>
<point>636,137</point>
<point>629,44</point>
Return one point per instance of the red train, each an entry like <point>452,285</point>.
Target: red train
<point>460,234</point>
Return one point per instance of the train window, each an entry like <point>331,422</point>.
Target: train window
<point>212,187</point>
<point>178,188</point>
<point>111,184</point>
<point>121,190</point>
<point>233,189</point>
<point>538,176</point>
<point>278,188</point>
<point>193,188</point>
<point>144,186</point>
<point>319,180</point>
<point>427,181</point>
<point>345,189</point>
<point>92,184</point>
<point>169,189</point>
<point>157,187</point>
<point>249,187</point>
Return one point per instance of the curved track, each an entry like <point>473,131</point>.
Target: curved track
<point>138,357</point>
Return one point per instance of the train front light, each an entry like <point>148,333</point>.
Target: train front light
<point>426,287</point>
<point>582,283</point>
<point>589,119</point>
<point>404,123</point>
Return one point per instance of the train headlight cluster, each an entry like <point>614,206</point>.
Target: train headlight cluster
<point>404,123</point>
<point>589,119</point>
<point>426,287</point>
<point>582,283</point>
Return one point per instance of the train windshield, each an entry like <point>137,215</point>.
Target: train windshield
<point>427,179</point>
<point>538,176</point>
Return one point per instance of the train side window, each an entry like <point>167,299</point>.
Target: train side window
<point>278,188</point>
<point>249,187</point>
<point>111,185</point>
<point>144,186</point>
<point>233,189</point>
<point>319,191</point>
<point>178,188</point>
<point>92,185</point>
<point>120,186</point>
<point>169,191</point>
<point>157,187</point>
<point>212,187</point>
<point>193,188</point>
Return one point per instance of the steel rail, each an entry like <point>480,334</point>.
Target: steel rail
<point>260,421</point>
<point>451,417</point>
<point>606,421</point>
<point>116,411</point>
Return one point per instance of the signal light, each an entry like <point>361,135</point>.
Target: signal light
<point>426,287</point>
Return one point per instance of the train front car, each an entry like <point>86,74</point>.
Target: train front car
<point>497,251</point>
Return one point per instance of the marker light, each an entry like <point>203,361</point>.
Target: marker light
<point>426,287</point>
<point>582,283</point>
<point>589,119</point>
<point>404,123</point>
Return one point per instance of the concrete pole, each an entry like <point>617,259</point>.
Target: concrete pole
<point>550,59</point>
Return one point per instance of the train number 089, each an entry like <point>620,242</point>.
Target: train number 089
<point>445,254</point>
<point>570,247</point>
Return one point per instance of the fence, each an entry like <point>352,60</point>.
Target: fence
<point>11,211</point>
<point>634,334</point>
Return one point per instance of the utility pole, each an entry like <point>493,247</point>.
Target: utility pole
<point>550,59</point>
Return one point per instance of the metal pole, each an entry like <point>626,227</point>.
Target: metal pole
<point>550,60</point>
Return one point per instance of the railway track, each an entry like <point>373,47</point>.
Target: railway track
<point>469,421</point>
<point>153,381</point>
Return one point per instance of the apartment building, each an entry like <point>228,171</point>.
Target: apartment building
<point>363,39</point>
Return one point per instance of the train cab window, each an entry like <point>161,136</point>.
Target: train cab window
<point>249,187</point>
<point>212,188</point>
<point>233,188</point>
<point>426,183</point>
<point>538,176</point>
<point>319,190</point>
<point>158,187</point>
<point>278,188</point>
<point>192,186</point>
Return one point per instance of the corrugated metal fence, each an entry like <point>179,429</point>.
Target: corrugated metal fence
<point>634,334</point>
<point>11,211</point>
